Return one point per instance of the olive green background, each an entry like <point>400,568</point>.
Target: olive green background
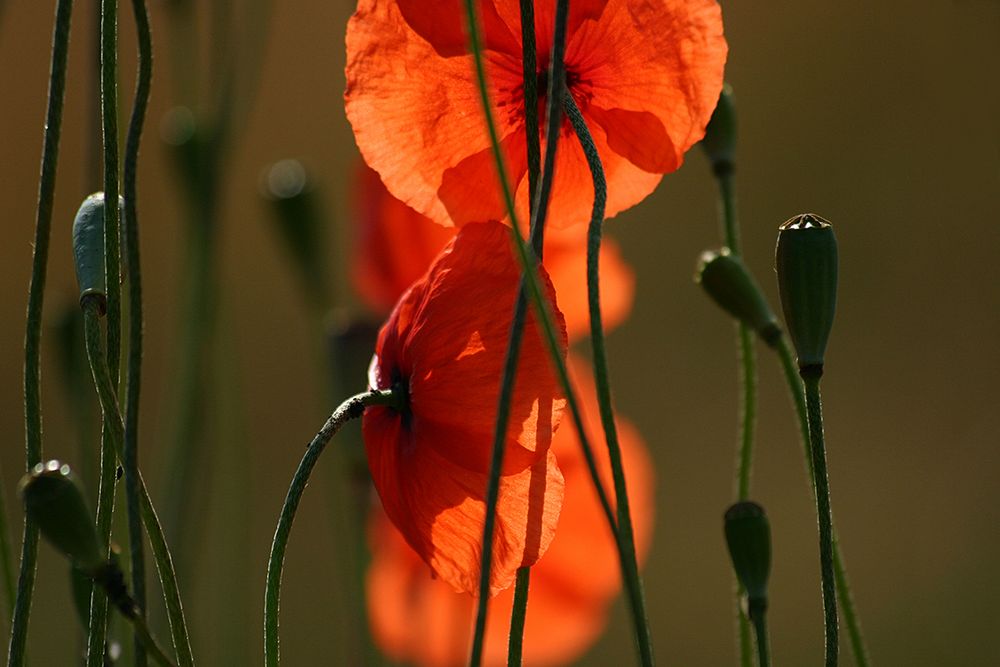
<point>882,117</point>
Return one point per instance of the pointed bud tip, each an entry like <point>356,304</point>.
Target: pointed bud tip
<point>719,142</point>
<point>728,282</point>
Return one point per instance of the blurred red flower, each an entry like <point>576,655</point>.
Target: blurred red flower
<point>394,245</point>
<point>445,343</point>
<point>646,74</point>
<point>417,619</point>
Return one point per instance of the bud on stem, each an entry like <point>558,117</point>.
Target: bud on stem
<point>728,282</point>
<point>748,536</point>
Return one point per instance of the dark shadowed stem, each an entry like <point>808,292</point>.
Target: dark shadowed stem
<point>33,325</point>
<point>759,618</point>
<point>516,640</point>
<point>135,324</point>
<point>116,430</point>
<point>350,409</point>
<point>537,227</point>
<point>529,61</point>
<point>626,539</point>
<point>747,359</point>
<point>847,609</point>
<point>112,267</point>
<point>814,409</point>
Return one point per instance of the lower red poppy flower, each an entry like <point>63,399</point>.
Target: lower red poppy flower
<point>419,620</point>
<point>445,344</point>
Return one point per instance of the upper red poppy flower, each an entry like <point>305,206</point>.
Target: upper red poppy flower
<point>394,245</point>
<point>445,345</point>
<point>646,75</point>
<point>419,620</point>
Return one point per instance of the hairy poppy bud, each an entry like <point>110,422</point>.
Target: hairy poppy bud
<point>300,219</point>
<point>728,282</point>
<point>88,250</point>
<point>748,536</point>
<point>719,143</point>
<point>53,499</point>
<point>806,263</point>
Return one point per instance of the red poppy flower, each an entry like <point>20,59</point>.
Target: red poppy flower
<point>395,245</point>
<point>445,343</point>
<point>418,619</point>
<point>645,73</point>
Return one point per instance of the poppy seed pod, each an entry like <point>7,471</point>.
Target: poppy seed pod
<point>806,264</point>
<point>748,536</point>
<point>719,143</point>
<point>54,500</point>
<point>88,250</point>
<point>728,282</point>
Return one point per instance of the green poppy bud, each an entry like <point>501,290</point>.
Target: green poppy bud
<point>728,282</point>
<point>88,250</point>
<point>720,135</point>
<point>806,264</point>
<point>54,501</point>
<point>748,536</point>
<point>300,223</point>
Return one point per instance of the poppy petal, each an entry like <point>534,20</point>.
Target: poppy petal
<point>442,24</point>
<point>439,506</point>
<point>455,348</point>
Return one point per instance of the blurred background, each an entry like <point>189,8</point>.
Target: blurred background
<point>880,117</point>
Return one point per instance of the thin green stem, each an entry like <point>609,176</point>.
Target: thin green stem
<point>97,634</point>
<point>98,628</point>
<point>33,325</point>
<point>824,514</point>
<point>350,409</point>
<point>747,361</point>
<point>518,614</point>
<point>759,618</point>
<point>134,373</point>
<point>537,227</point>
<point>848,610</point>
<point>161,553</point>
<point>149,644</point>
<point>630,566</point>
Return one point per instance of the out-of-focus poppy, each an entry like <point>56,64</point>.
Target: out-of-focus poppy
<point>645,73</point>
<point>417,619</point>
<point>394,245</point>
<point>445,344</point>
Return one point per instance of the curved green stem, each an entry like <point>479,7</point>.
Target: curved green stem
<point>134,373</point>
<point>149,644</point>
<point>33,325</point>
<point>350,409</point>
<point>848,609</point>
<point>537,227</point>
<point>825,516</point>
<point>630,566</point>
<point>529,63</point>
<point>98,628</point>
<point>515,642</point>
<point>748,389</point>
<point>161,553</point>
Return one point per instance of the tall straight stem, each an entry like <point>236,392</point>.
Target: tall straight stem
<point>134,372</point>
<point>515,642</point>
<point>630,566</point>
<point>824,514</point>
<point>33,325</point>
<point>724,174</point>
<point>350,409</point>
<point>161,553</point>
<point>759,619</point>
<point>848,610</point>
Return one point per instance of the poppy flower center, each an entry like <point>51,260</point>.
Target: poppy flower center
<point>577,85</point>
